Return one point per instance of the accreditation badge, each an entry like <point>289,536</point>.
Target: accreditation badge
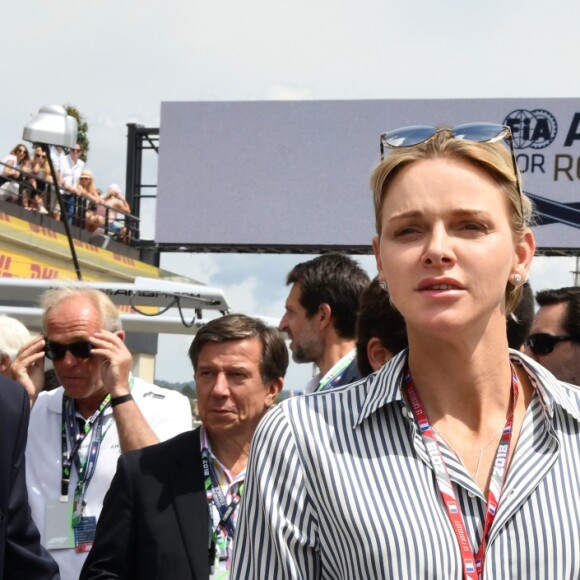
<point>84,533</point>
<point>220,569</point>
<point>58,530</point>
<point>62,534</point>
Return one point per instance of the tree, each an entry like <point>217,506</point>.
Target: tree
<point>83,129</point>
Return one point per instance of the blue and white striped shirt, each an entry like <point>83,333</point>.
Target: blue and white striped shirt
<point>340,486</point>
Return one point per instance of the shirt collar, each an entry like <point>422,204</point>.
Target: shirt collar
<point>221,470</point>
<point>551,391</point>
<point>384,387</point>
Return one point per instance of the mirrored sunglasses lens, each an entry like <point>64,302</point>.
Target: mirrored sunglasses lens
<point>408,136</point>
<point>479,132</point>
<point>54,350</point>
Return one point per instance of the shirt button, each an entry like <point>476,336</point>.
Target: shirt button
<point>404,412</point>
<point>471,494</point>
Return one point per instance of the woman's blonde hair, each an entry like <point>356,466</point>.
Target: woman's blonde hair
<point>494,159</point>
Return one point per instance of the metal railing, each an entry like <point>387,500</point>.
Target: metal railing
<point>82,211</point>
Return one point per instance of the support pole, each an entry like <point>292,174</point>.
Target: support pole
<point>63,215</point>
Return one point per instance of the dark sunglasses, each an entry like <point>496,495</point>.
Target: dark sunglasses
<point>542,343</point>
<point>476,132</point>
<point>57,351</point>
<point>76,150</point>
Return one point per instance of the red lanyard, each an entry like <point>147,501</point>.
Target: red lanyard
<point>472,565</point>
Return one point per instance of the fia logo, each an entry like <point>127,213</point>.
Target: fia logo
<point>536,129</point>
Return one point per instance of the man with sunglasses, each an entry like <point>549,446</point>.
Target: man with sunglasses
<point>554,339</point>
<point>78,431</point>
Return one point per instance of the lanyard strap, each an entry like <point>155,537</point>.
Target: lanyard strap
<point>472,565</point>
<point>70,432</point>
<point>335,373</point>
<point>215,494</point>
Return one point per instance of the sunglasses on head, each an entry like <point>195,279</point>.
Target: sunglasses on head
<point>542,343</point>
<point>476,132</point>
<point>57,351</point>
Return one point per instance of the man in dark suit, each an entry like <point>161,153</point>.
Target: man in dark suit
<point>171,510</point>
<point>21,555</point>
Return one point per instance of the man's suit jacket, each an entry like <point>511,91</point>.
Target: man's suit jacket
<point>21,555</point>
<point>155,520</point>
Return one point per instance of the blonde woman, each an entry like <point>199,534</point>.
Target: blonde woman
<point>40,181</point>
<point>10,173</point>
<point>86,188</point>
<point>459,458</point>
<point>115,199</point>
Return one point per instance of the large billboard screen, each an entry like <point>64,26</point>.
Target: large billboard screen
<point>294,175</point>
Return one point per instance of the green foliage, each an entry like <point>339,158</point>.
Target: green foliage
<point>187,389</point>
<point>83,129</point>
<point>189,392</point>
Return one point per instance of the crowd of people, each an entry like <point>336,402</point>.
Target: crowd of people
<point>29,182</point>
<point>440,438</point>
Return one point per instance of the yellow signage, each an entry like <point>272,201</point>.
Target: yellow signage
<point>28,250</point>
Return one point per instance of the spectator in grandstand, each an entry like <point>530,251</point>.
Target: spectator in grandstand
<point>13,162</point>
<point>17,160</point>
<point>380,329</point>
<point>13,334</point>
<point>114,199</point>
<point>71,167</point>
<point>57,155</point>
<point>40,181</point>
<point>93,214</point>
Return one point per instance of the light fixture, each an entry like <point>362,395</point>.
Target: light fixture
<point>52,126</point>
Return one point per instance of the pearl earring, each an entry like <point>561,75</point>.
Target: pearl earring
<point>383,285</point>
<point>517,279</point>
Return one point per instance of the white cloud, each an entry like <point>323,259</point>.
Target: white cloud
<point>117,61</point>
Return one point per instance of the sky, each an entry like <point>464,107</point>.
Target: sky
<point>116,61</point>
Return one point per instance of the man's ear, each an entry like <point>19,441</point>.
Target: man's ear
<point>324,315</point>
<point>4,363</point>
<point>274,388</point>
<point>377,353</point>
